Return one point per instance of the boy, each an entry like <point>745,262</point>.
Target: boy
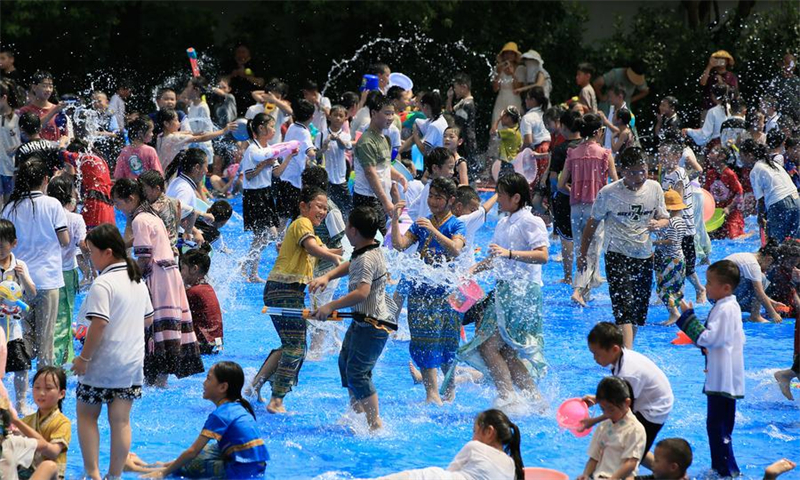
<point>667,120</point>
<point>468,209</point>
<point>117,102</point>
<point>372,321</point>
<point>769,106</point>
<point>583,78</point>
<point>465,114</point>
<point>616,101</point>
<point>222,211</point>
<point>650,385</point>
<point>292,167</point>
<point>332,147</point>
<point>166,98</point>
<point>322,105</point>
<point>673,457</point>
<point>721,340</point>
<point>438,163</point>
<point>30,126</point>
<point>271,101</point>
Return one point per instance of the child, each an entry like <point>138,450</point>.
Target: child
<point>493,453</point>
<point>95,183</point>
<point>721,340</point>
<point>649,385</point>
<point>239,446</point>
<point>199,114</point>
<point>48,423</point>
<point>166,99</point>
<point>292,168</point>
<point>117,103</point>
<point>334,148</point>
<point>171,140</point>
<point>465,112</point>
<point>19,451</point>
<point>708,135</point>
<point>534,134</point>
<point>583,78</point>
<point>272,101</point>
<point>172,345</point>
<point>668,123</point>
<point>509,342</point>
<point>668,260</point>
<point>221,211</point>
<point>9,140</point>
<point>750,293</point>
<point>509,135</point>
<point>468,208</point>
<point>18,359</point>
<point>452,142</point>
<point>139,156</point>
<point>428,134</point>
<point>673,457</point>
<point>286,286</point>
<point>203,302</point>
<point>369,330</point>
<point>434,325</point>
<point>167,208</point>
<point>617,444</point>
<point>110,366</point>
<point>228,183</point>
<point>322,105</point>
<point>623,136</point>
<point>439,163</point>
<point>61,189</point>
<point>724,186</point>
<point>560,200</point>
<point>191,166</point>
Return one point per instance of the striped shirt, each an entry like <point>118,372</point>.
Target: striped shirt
<point>673,233</point>
<point>369,266</point>
<point>680,177</point>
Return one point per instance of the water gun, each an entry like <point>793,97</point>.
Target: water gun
<point>411,117</point>
<point>336,316</point>
<point>193,61</point>
<point>11,298</point>
<point>284,149</point>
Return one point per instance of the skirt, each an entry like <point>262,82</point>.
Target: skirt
<point>517,318</point>
<point>434,327</point>
<point>258,210</point>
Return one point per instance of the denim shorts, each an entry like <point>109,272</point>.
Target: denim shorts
<point>361,348</point>
<point>745,294</point>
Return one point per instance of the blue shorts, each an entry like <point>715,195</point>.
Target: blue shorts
<point>6,184</point>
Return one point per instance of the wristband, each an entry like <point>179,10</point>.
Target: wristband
<point>84,358</point>
<point>510,255</point>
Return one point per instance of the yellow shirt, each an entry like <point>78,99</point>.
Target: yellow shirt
<point>55,428</point>
<point>294,264</point>
<point>510,143</point>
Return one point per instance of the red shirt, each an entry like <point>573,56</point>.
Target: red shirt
<point>95,186</point>
<point>723,187</point>
<point>206,315</point>
<point>134,161</point>
<point>51,131</point>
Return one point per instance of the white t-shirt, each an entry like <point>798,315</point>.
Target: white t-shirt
<point>297,163</point>
<point>320,120</point>
<point>771,184</point>
<point>254,155</point>
<point>9,138</point>
<point>419,207</point>
<point>335,161</point>
<point>77,233</point>
<point>519,231</point>
<point>651,388</point>
<point>434,132</point>
<point>613,443</point>
<point>38,221</point>
<point>533,125</point>
<point>182,188</point>
<point>748,266</point>
<point>472,223</point>
<point>679,177</point>
<point>723,339</point>
<point>627,214</point>
<point>711,126</point>
<point>17,451</point>
<point>118,361</point>
<point>199,120</point>
<point>478,461</point>
<point>117,107</point>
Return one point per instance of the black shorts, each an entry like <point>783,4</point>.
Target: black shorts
<point>650,429</point>
<point>18,360</point>
<point>689,254</point>
<point>560,208</point>
<point>258,209</point>
<point>287,200</point>
<point>99,396</point>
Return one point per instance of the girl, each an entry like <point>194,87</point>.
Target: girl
<point>240,451</point>
<point>493,454</point>
<point>506,132</point>
<point>724,186</point>
<point>778,201</point>
<point>508,76</point>
<point>286,287</point>
<point>139,156</point>
<point>452,141</point>
<point>618,443</point>
<point>41,227</point>
<point>48,424</point>
<point>536,136</point>
<point>258,201</point>
<point>509,343</point>
<point>110,366</point>
<point>171,140</point>
<point>61,189</point>
<point>433,323</point>
<point>623,136</point>
<point>708,135</point>
<point>171,343</point>
<point>427,134</point>
<point>587,169</point>
<point>95,183</point>
<point>9,138</point>
<point>167,208</point>
<point>750,293</point>
<point>199,115</point>
<point>203,302</point>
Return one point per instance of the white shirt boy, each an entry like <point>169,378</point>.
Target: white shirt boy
<point>651,388</point>
<point>299,132</point>
<point>335,161</point>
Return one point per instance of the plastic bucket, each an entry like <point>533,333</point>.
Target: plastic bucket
<point>369,82</point>
<point>466,295</point>
<point>400,80</point>
<point>570,414</point>
<point>716,220</point>
<point>536,473</point>
<point>708,205</point>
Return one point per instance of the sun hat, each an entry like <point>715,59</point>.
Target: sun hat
<point>724,54</point>
<point>533,55</point>
<point>635,78</point>
<point>674,200</point>
<point>510,47</point>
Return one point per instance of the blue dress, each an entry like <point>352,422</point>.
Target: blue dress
<point>239,442</point>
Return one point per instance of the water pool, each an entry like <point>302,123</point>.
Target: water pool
<point>314,441</point>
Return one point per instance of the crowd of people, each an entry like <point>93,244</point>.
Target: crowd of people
<point>318,176</point>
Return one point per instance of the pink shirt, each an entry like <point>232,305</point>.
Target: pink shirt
<point>134,161</point>
<point>588,167</point>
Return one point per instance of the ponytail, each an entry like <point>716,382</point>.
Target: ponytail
<point>508,435</point>
<point>106,236</point>
<point>722,93</point>
<point>30,176</point>
<point>758,152</point>
<point>185,161</point>
<point>258,121</point>
<point>232,374</point>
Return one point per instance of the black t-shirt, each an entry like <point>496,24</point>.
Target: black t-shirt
<point>210,232</point>
<point>559,155</point>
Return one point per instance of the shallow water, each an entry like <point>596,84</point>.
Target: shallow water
<point>317,440</point>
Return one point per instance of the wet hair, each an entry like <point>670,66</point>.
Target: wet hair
<point>770,249</point>
<point>166,115</point>
<point>444,185</point>
<point>40,76</point>
<point>337,108</point>
<point>586,67</point>
<point>8,232</point>
<point>631,157</point>
<point>365,220</point>
<point>466,194</point>
<point>161,91</point>
<point>508,435</point>
<point>671,101</point>
<point>377,101</point>
<point>512,112</point>
<point>137,128</point>
<point>302,110</point>
<point>569,119</point>
<point>106,236</point>
<point>277,86</point>
<point>727,272</point>
<point>232,374</point>
<point>605,335</point>
<point>721,92</point>
<point>349,99</point>
<point>537,93</point>
<point>553,114</point>
<point>58,374</point>
<point>198,257</point>
<point>309,193</point>
<point>315,176</point>
<point>221,210</point>
<point>514,183</point>
<point>259,120</point>
<point>617,90</point>
<point>433,100</point>
<point>310,85</point>
<point>30,176</point>
<point>758,151</point>
<point>395,92</point>
<point>677,450</point>
<point>588,125</point>
<point>377,68</point>
<point>185,161</point>
<point>125,188</point>
<point>153,179</point>
<point>30,123</point>
<point>775,138</point>
<point>615,391</point>
<point>624,116</point>
<point>61,188</point>
<point>437,156</point>
<point>462,78</point>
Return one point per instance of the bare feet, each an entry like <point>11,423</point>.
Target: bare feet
<point>416,375</point>
<point>566,280</point>
<point>376,425</point>
<point>781,466</point>
<point>276,405</point>
<point>757,319</point>
<point>784,379</point>
<point>434,398</point>
<point>673,317</point>
<point>701,296</point>
<point>578,298</point>
<point>255,279</point>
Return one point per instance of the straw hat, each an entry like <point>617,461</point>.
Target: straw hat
<point>635,78</point>
<point>510,47</point>
<point>724,54</point>
<point>674,200</point>
<point>533,55</point>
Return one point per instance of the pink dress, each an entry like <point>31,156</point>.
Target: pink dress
<point>588,167</point>
<point>171,344</point>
